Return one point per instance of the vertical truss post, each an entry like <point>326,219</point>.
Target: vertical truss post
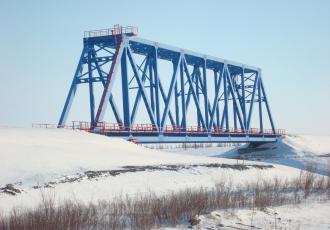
<point>152,87</point>
<point>72,91</point>
<point>217,89</point>
<point>226,99</point>
<point>183,96</point>
<point>125,91</point>
<point>267,107</point>
<point>155,66</point>
<point>243,97</point>
<point>206,105</point>
<point>215,106</point>
<point>90,86</point>
<point>234,108</point>
<point>177,118</point>
<point>260,106</point>
<point>252,100</point>
<point>235,116</point>
<point>196,76</point>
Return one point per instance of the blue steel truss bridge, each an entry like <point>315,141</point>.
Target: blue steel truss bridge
<point>149,92</point>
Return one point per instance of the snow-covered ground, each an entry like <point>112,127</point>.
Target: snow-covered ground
<point>35,160</point>
<point>283,217</point>
<point>296,151</point>
<point>59,163</point>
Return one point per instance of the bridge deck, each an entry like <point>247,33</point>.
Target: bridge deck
<point>146,133</point>
<point>188,137</point>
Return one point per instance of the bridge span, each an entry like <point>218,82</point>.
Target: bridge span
<point>186,96</point>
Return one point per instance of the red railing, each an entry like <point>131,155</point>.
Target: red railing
<point>103,127</point>
<point>46,126</point>
<point>116,30</point>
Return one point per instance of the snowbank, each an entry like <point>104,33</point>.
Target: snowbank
<point>282,217</point>
<point>31,157</point>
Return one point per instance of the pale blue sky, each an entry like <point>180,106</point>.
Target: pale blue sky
<point>41,41</point>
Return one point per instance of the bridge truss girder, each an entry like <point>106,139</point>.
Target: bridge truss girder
<point>235,85</point>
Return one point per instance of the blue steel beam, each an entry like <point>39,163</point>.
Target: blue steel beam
<point>170,93</point>
<point>152,87</point>
<point>236,104</point>
<point>125,90</point>
<point>193,93</point>
<point>72,92</point>
<point>162,93</point>
<point>139,81</point>
<point>138,96</point>
<point>176,101</point>
<point>267,107</point>
<point>261,127</point>
<point>225,113</point>
<point>91,88</point>
<point>243,97</point>
<point>252,100</point>
<point>183,97</point>
<point>197,80</point>
<point>108,87</point>
<point>196,77</point>
<point>206,101</point>
<point>215,107</point>
<point>155,67</point>
<point>94,68</point>
<point>103,80</point>
<point>217,83</point>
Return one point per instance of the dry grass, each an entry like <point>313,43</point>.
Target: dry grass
<point>150,211</point>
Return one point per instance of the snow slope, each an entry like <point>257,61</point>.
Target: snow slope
<point>296,151</point>
<point>30,155</point>
<point>317,145</point>
<point>282,217</point>
<point>33,157</point>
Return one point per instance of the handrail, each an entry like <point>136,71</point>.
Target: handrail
<point>116,30</point>
<point>103,127</point>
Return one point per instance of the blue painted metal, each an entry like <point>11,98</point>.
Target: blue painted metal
<point>155,66</point>
<point>268,108</point>
<point>72,91</point>
<point>235,87</point>
<point>141,87</point>
<point>126,102</point>
<point>243,97</point>
<point>170,93</point>
<point>260,106</point>
<point>103,80</point>
<point>183,98</point>
<point>206,105</point>
<point>138,96</point>
<point>252,100</point>
<point>91,90</point>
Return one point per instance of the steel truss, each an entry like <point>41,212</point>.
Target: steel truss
<point>224,116</point>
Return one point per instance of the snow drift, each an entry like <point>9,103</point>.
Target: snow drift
<point>29,158</point>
